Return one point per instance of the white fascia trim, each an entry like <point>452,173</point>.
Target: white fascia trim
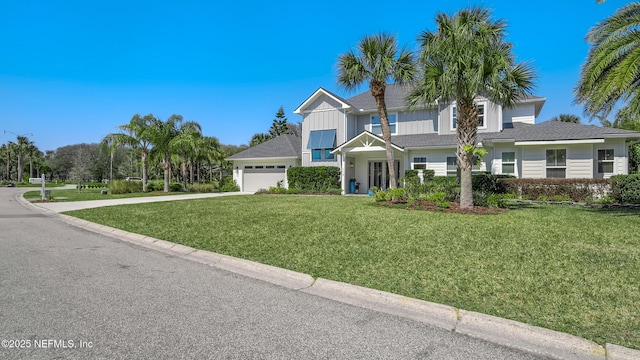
<point>560,142</point>
<point>265,158</point>
<point>317,94</point>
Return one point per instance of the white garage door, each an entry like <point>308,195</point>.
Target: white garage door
<point>255,179</point>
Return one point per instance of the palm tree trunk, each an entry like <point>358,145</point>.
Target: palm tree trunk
<point>144,171</point>
<point>184,172</point>
<point>19,168</point>
<point>166,165</point>
<point>378,93</point>
<point>467,133</point>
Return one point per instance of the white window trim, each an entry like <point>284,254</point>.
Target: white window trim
<point>565,166</point>
<point>478,103</point>
<point>612,161</point>
<point>419,163</point>
<point>371,123</point>
<point>514,162</point>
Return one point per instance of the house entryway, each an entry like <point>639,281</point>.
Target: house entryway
<point>379,174</point>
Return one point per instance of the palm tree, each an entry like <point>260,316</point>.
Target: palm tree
<point>567,118</point>
<point>23,145</point>
<point>160,134</point>
<point>377,60</point>
<point>135,134</point>
<point>186,143</point>
<point>611,75</point>
<point>468,57</point>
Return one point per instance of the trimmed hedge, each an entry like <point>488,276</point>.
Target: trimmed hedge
<point>575,189</point>
<point>625,189</point>
<point>314,178</point>
<point>125,187</point>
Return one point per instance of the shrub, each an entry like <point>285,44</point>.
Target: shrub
<point>175,187</point>
<point>125,187</point>
<point>314,178</point>
<point>228,184</point>
<point>574,189</point>
<point>490,183</point>
<point>625,189</point>
<point>277,190</point>
<point>410,173</point>
<point>428,175</point>
<point>380,195</point>
<point>396,194</point>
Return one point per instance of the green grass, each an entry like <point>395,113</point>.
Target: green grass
<point>89,194</point>
<point>47,185</point>
<point>570,269</point>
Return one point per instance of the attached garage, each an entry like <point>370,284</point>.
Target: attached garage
<point>264,165</point>
<point>262,178</point>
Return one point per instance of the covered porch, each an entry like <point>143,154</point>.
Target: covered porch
<point>364,163</point>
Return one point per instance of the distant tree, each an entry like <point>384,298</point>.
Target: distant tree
<point>295,129</point>
<point>467,57</point>
<point>259,139</point>
<point>567,118</point>
<point>375,61</point>
<point>186,143</point>
<point>609,77</point>
<point>83,161</point>
<point>280,125</point>
<point>136,134</point>
<point>160,134</point>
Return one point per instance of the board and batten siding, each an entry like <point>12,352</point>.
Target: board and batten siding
<point>322,114</point>
<point>410,122</point>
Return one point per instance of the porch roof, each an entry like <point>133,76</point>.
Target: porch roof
<point>365,140</point>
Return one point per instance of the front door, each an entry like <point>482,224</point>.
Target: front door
<point>379,174</point>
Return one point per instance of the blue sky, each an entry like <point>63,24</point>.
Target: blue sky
<point>72,71</point>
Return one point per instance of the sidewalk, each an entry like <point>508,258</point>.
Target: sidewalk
<point>80,205</point>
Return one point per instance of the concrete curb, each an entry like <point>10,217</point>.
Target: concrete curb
<point>492,329</point>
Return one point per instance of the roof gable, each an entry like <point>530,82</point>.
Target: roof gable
<point>317,95</point>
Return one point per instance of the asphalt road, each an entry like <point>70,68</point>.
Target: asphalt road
<point>67,293</point>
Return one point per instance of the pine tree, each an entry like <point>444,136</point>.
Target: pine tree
<point>279,125</point>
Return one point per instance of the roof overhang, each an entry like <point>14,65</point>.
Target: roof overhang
<point>364,142</point>
<point>317,94</point>
<point>262,158</point>
<point>560,142</point>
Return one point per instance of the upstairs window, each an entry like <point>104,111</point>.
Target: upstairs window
<point>481,116</point>
<point>321,143</point>
<point>605,161</point>
<point>376,128</point>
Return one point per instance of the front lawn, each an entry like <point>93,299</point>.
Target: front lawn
<point>570,269</point>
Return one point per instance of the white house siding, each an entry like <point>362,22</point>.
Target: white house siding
<point>534,161</point>
<point>444,122</point>
<point>436,159</point>
<point>522,113</point>
<point>579,161</point>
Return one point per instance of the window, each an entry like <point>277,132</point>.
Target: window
<point>248,167</point>
<point>321,142</point>
<point>508,162</point>
<point>605,161</point>
<point>281,166</point>
<point>259,167</point>
<point>376,128</point>
<point>454,116</point>
<point>270,167</point>
<point>419,163</point>
<point>557,163</point>
<point>452,166</point>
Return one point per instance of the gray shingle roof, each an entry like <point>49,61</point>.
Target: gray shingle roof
<point>283,146</point>
<point>394,98</point>
<point>546,131</point>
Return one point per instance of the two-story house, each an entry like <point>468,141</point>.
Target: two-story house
<point>346,133</point>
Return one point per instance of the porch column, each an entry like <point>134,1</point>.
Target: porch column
<point>343,173</point>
